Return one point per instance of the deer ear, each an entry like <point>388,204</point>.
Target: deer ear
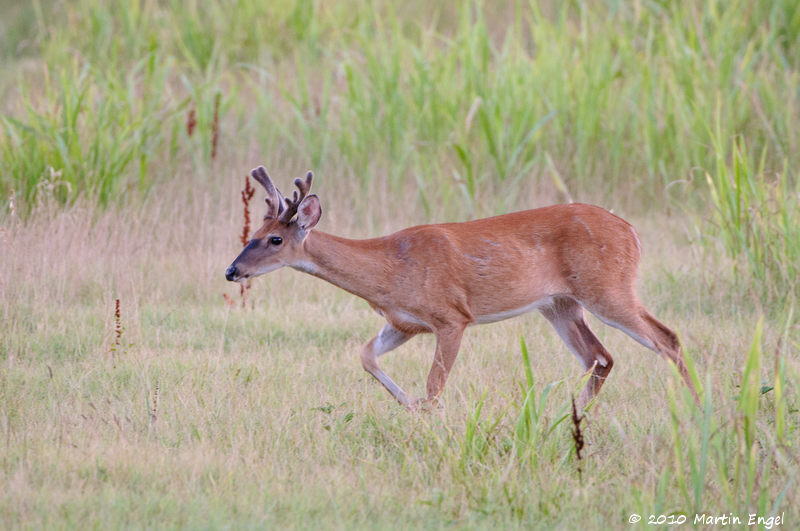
<point>308,212</point>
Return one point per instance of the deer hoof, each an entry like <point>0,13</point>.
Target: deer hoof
<point>425,405</point>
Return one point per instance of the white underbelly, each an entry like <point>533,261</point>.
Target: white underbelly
<point>508,314</point>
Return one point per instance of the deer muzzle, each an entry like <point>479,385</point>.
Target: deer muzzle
<point>232,273</point>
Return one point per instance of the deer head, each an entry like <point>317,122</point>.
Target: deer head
<point>279,241</point>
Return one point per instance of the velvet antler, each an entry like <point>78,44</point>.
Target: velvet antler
<point>274,199</point>
<point>304,186</point>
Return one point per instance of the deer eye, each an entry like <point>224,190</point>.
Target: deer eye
<point>276,240</point>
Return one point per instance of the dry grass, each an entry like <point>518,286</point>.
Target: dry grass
<point>207,416</point>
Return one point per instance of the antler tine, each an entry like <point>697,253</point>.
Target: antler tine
<point>274,199</point>
<point>304,186</point>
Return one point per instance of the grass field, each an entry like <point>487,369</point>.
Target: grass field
<point>182,411</point>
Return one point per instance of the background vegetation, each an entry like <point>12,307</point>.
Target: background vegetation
<point>126,129</point>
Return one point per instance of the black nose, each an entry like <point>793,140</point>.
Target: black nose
<point>231,273</point>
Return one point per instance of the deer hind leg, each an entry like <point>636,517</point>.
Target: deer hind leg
<point>389,338</point>
<point>638,323</point>
<point>566,316</point>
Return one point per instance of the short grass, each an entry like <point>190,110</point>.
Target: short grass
<point>126,129</point>
<point>209,416</point>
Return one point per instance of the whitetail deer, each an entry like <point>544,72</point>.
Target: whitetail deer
<point>442,278</point>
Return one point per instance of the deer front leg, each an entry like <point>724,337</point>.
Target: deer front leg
<point>448,341</point>
<point>388,339</point>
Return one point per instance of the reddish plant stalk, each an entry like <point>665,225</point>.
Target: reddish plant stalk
<point>191,121</point>
<point>247,195</point>
<point>215,127</point>
<point>118,324</point>
<point>577,436</point>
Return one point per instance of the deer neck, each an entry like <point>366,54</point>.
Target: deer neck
<point>356,266</point>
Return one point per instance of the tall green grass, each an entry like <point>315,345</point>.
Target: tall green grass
<point>756,215</point>
<point>732,453</point>
<point>86,132</point>
<point>457,101</point>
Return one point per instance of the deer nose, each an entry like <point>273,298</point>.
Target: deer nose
<point>231,273</point>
